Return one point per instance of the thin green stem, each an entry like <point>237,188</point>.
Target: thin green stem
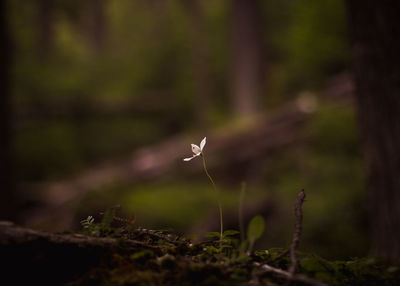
<point>241,202</point>
<point>221,223</point>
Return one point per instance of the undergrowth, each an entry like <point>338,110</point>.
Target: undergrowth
<point>166,258</point>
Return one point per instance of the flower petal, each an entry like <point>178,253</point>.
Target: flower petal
<point>196,149</point>
<point>203,143</point>
<point>194,156</point>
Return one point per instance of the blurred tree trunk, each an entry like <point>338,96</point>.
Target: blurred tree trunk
<point>7,191</point>
<point>98,25</point>
<point>200,61</point>
<point>375,33</point>
<point>246,56</point>
<point>45,22</point>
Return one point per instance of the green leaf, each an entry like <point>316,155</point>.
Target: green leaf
<point>231,232</point>
<point>212,234</point>
<point>255,228</point>
<point>211,249</point>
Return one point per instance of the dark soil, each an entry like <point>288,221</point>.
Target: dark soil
<point>134,256</point>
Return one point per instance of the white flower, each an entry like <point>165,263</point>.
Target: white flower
<point>197,150</point>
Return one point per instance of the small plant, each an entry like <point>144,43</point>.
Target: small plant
<point>104,227</point>
<point>198,151</point>
<point>90,227</point>
<point>87,222</point>
<point>256,226</point>
<point>255,230</point>
<point>226,249</point>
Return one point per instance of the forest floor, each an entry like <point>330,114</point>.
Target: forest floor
<point>115,252</point>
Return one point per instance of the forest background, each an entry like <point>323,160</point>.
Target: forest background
<point>107,95</point>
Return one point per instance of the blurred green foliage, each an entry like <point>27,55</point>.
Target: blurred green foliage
<point>147,65</point>
<point>76,106</point>
<point>306,43</point>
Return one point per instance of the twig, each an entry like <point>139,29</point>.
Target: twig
<point>296,236</point>
<point>292,277</point>
<point>11,234</point>
<point>290,274</point>
<point>298,212</point>
<point>283,254</point>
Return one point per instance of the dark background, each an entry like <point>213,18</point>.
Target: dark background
<point>102,98</point>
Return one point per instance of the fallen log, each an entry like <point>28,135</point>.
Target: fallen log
<point>254,140</point>
<point>232,145</point>
<point>53,259</point>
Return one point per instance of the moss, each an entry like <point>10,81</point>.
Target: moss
<point>167,259</point>
<point>159,257</point>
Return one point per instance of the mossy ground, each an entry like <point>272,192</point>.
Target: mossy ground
<point>169,259</point>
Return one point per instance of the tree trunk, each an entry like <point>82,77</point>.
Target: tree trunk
<point>45,22</point>
<point>246,56</point>
<point>375,34</point>
<point>99,25</point>
<point>7,192</point>
<point>201,60</point>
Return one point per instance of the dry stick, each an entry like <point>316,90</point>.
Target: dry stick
<point>11,234</point>
<point>290,274</point>
<point>296,236</point>
<point>291,277</point>
<point>283,254</point>
<point>298,212</point>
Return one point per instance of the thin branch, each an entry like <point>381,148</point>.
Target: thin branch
<point>290,274</point>
<point>298,212</point>
<point>11,234</point>
<point>291,277</point>
<point>283,254</point>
